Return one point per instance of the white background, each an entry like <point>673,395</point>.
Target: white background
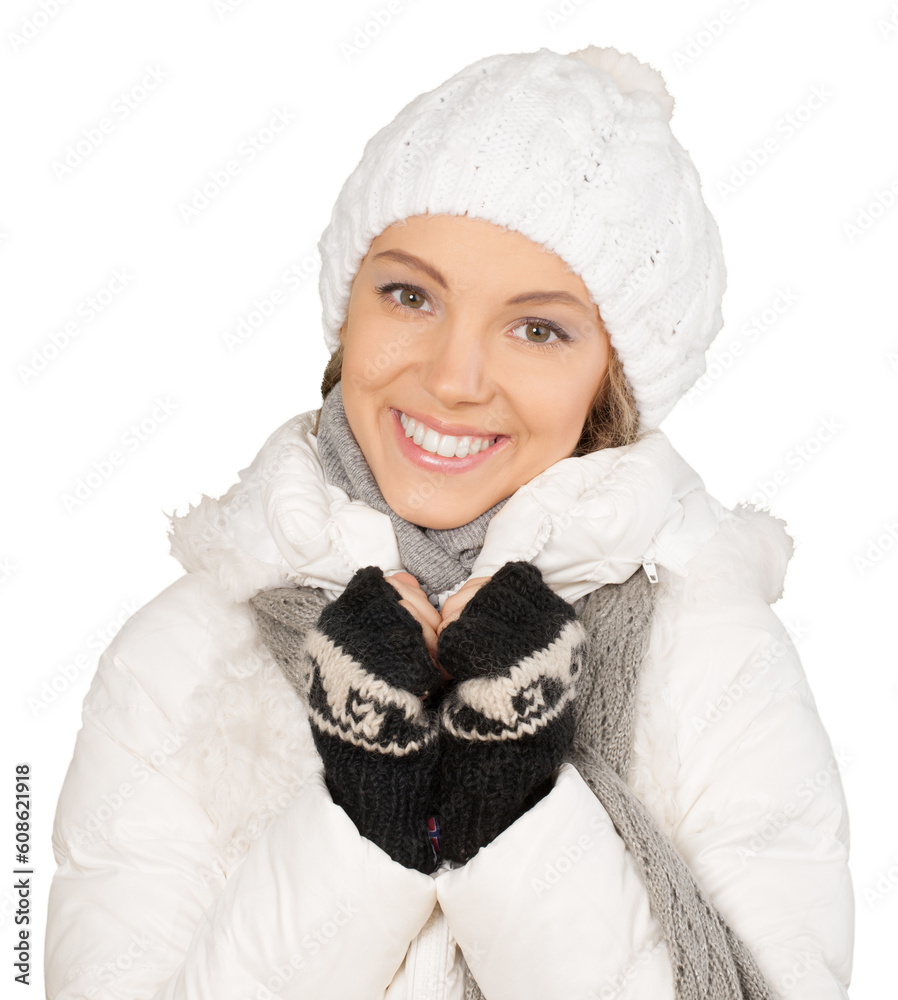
<point>821,376</point>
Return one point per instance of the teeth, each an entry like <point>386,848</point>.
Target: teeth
<point>443,444</point>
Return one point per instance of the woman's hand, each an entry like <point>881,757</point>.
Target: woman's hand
<point>415,601</point>
<point>454,605</point>
<point>432,622</point>
<point>516,653</point>
<point>365,676</point>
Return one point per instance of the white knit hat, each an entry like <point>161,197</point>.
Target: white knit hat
<point>576,153</point>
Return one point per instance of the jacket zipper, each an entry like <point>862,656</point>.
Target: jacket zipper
<point>650,570</point>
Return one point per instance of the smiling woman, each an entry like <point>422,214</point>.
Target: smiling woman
<point>435,334</point>
<point>452,666</point>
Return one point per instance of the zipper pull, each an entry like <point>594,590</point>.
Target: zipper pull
<point>650,570</point>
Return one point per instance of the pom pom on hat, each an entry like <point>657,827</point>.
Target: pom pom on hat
<point>629,73</point>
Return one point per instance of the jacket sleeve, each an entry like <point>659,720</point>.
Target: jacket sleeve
<point>749,793</point>
<point>138,907</point>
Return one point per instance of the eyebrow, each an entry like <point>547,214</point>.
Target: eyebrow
<point>540,298</point>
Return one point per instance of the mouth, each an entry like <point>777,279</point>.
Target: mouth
<point>448,453</point>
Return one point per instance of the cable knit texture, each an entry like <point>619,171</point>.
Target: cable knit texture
<point>576,153</point>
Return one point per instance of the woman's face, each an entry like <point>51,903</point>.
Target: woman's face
<point>477,333</point>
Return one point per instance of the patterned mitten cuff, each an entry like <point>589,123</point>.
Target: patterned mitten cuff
<point>364,672</point>
<point>515,652</point>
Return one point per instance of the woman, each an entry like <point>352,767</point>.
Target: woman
<point>471,689</point>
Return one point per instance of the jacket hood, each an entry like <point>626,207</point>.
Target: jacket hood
<point>583,522</point>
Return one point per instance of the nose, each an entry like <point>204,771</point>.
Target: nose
<point>455,368</point>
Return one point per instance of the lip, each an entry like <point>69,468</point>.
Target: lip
<point>456,430</point>
<point>437,463</point>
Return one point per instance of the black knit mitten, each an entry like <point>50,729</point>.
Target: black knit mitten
<point>365,674</point>
<point>515,654</point>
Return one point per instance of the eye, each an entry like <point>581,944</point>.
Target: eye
<point>541,329</point>
<point>410,297</point>
<point>413,298</point>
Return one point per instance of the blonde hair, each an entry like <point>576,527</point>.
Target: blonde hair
<point>611,422</point>
<point>613,418</point>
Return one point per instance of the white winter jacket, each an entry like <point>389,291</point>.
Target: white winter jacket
<point>200,854</point>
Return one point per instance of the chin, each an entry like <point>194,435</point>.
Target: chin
<point>442,526</point>
<point>425,518</point>
<point>422,520</point>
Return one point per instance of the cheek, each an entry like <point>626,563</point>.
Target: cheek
<point>582,381</point>
<point>559,424</point>
<point>375,350</point>
<point>555,405</point>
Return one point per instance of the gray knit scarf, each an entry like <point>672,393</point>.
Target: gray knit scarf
<point>708,960</point>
